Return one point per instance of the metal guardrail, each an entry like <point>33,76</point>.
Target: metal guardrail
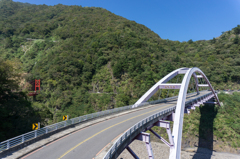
<point>193,100</point>
<point>140,126</point>
<point>5,145</point>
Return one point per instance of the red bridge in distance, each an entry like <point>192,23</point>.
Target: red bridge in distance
<point>35,84</point>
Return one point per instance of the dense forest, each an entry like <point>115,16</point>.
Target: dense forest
<point>89,59</point>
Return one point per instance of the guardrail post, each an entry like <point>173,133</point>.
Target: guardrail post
<point>23,139</point>
<point>8,144</point>
<point>35,133</point>
<point>56,126</point>
<point>46,130</point>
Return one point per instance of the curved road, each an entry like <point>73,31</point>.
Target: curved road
<point>87,142</point>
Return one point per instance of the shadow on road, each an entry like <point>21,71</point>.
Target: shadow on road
<point>208,113</point>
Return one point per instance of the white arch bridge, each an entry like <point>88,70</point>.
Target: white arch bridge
<point>175,114</point>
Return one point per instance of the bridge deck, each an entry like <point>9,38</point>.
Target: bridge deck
<point>86,143</point>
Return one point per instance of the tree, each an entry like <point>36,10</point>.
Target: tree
<point>237,30</point>
<point>7,43</point>
<point>100,62</point>
<point>190,41</point>
<point>177,59</point>
<point>213,41</point>
<point>236,40</point>
<point>117,70</point>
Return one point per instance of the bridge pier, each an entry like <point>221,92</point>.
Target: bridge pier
<point>170,117</point>
<point>145,137</point>
<point>164,124</point>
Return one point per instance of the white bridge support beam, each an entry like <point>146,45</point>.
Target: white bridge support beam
<point>170,86</point>
<point>175,152</point>
<point>145,137</point>
<point>203,85</point>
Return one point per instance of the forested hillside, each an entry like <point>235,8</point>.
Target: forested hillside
<point>89,59</point>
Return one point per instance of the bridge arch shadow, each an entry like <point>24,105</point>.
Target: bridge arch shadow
<point>206,136</point>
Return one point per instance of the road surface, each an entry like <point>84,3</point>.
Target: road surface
<point>87,142</point>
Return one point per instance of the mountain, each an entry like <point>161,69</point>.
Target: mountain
<point>89,59</point>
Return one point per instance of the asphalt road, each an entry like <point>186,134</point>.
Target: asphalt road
<point>87,142</point>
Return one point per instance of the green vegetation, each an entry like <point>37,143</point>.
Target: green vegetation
<point>211,126</point>
<point>80,51</point>
<point>227,125</point>
<point>17,113</point>
<point>212,122</point>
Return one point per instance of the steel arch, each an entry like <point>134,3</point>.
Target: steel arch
<point>155,88</point>
<point>179,112</point>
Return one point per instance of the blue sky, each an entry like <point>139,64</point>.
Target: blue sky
<point>171,19</point>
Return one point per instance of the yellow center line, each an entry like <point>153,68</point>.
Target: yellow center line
<point>109,128</point>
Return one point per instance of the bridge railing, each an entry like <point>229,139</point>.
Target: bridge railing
<point>131,133</point>
<point>5,145</point>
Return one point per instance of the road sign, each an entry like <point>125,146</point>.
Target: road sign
<point>65,117</point>
<point>35,126</point>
